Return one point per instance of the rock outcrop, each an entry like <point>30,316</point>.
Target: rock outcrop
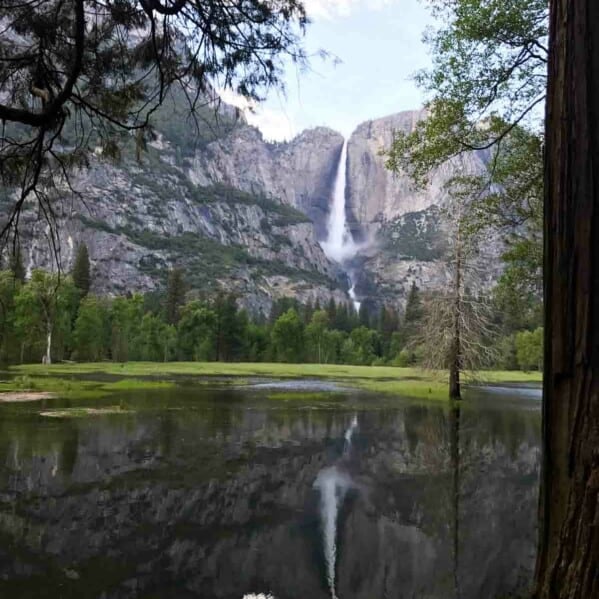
<point>299,173</point>
<point>401,224</point>
<point>375,194</point>
<point>245,215</point>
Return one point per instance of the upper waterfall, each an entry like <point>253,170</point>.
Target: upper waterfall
<point>339,244</point>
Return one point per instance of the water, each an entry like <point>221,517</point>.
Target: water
<point>210,493</point>
<point>340,245</point>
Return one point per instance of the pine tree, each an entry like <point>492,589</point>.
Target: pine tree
<point>175,295</point>
<point>81,270</point>
<point>364,315</point>
<point>413,312</point>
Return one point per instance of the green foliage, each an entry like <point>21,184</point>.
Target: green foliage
<point>125,317</point>
<point>197,333</point>
<point>287,337</point>
<point>81,270</point>
<point>316,335</point>
<point>44,311</point>
<point>488,73</point>
<point>90,334</point>
<point>360,347</point>
<point>175,295</point>
<point>135,327</point>
<point>529,349</point>
<point>486,87</point>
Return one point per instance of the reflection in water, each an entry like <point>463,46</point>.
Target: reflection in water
<point>211,494</point>
<point>454,431</point>
<point>349,433</point>
<point>333,484</point>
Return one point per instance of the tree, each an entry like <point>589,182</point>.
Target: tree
<point>81,270</point>
<point>360,347</point>
<point>529,349</point>
<point>197,332</point>
<point>125,316</point>
<point>488,76</point>
<point>287,337</point>
<point>89,70</point>
<point>486,88</point>
<point>43,306</point>
<point>456,329</point>
<point>8,292</point>
<point>175,295</point>
<point>229,333</point>
<point>568,556</point>
<point>315,333</point>
<point>89,334</point>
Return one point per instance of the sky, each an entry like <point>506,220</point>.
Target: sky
<point>378,47</point>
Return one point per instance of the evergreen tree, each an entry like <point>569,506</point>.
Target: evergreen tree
<point>413,312</point>
<point>364,315</point>
<point>81,270</point>
<point>175,296</point>
<point>89,330</point>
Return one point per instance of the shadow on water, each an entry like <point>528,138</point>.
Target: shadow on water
<point>224,494</point>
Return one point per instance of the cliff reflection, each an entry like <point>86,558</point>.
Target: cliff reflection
<point>224,500</point>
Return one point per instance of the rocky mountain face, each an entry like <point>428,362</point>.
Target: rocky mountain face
<point>401,225</point>
<point>299,173</point>
<point>237,213</point>
<point>241,214</point>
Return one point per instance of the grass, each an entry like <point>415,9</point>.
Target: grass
<point>53,382</point>
<point>408,382</point>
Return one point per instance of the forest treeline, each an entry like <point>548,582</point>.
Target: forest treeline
<point>48,317</point>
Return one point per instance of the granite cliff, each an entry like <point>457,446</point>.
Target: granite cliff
<point>242,214</point>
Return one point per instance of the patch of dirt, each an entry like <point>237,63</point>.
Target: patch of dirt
<point>19,396</point>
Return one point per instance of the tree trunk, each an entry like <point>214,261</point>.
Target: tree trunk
<point>568,558</point>
<point>455,362</point>
<point>48,356</point>
<point>454,378</point>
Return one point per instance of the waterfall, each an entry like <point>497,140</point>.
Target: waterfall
<point>352,295</point>
<point>333,484</point>
<point>339,244</point>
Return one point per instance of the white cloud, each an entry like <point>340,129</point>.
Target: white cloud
<point>334,9</point>
<point>275,125</point>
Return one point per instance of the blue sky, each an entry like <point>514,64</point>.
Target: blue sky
<point>378,44</point>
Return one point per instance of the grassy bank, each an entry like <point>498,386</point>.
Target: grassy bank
<point>410,382</point>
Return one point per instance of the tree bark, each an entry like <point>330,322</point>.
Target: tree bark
<point>568,558</point>
<point>48,356</point>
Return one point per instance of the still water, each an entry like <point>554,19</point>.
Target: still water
<point>223,493</point>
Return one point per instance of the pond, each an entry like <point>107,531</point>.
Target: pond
<point>224,493</point>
